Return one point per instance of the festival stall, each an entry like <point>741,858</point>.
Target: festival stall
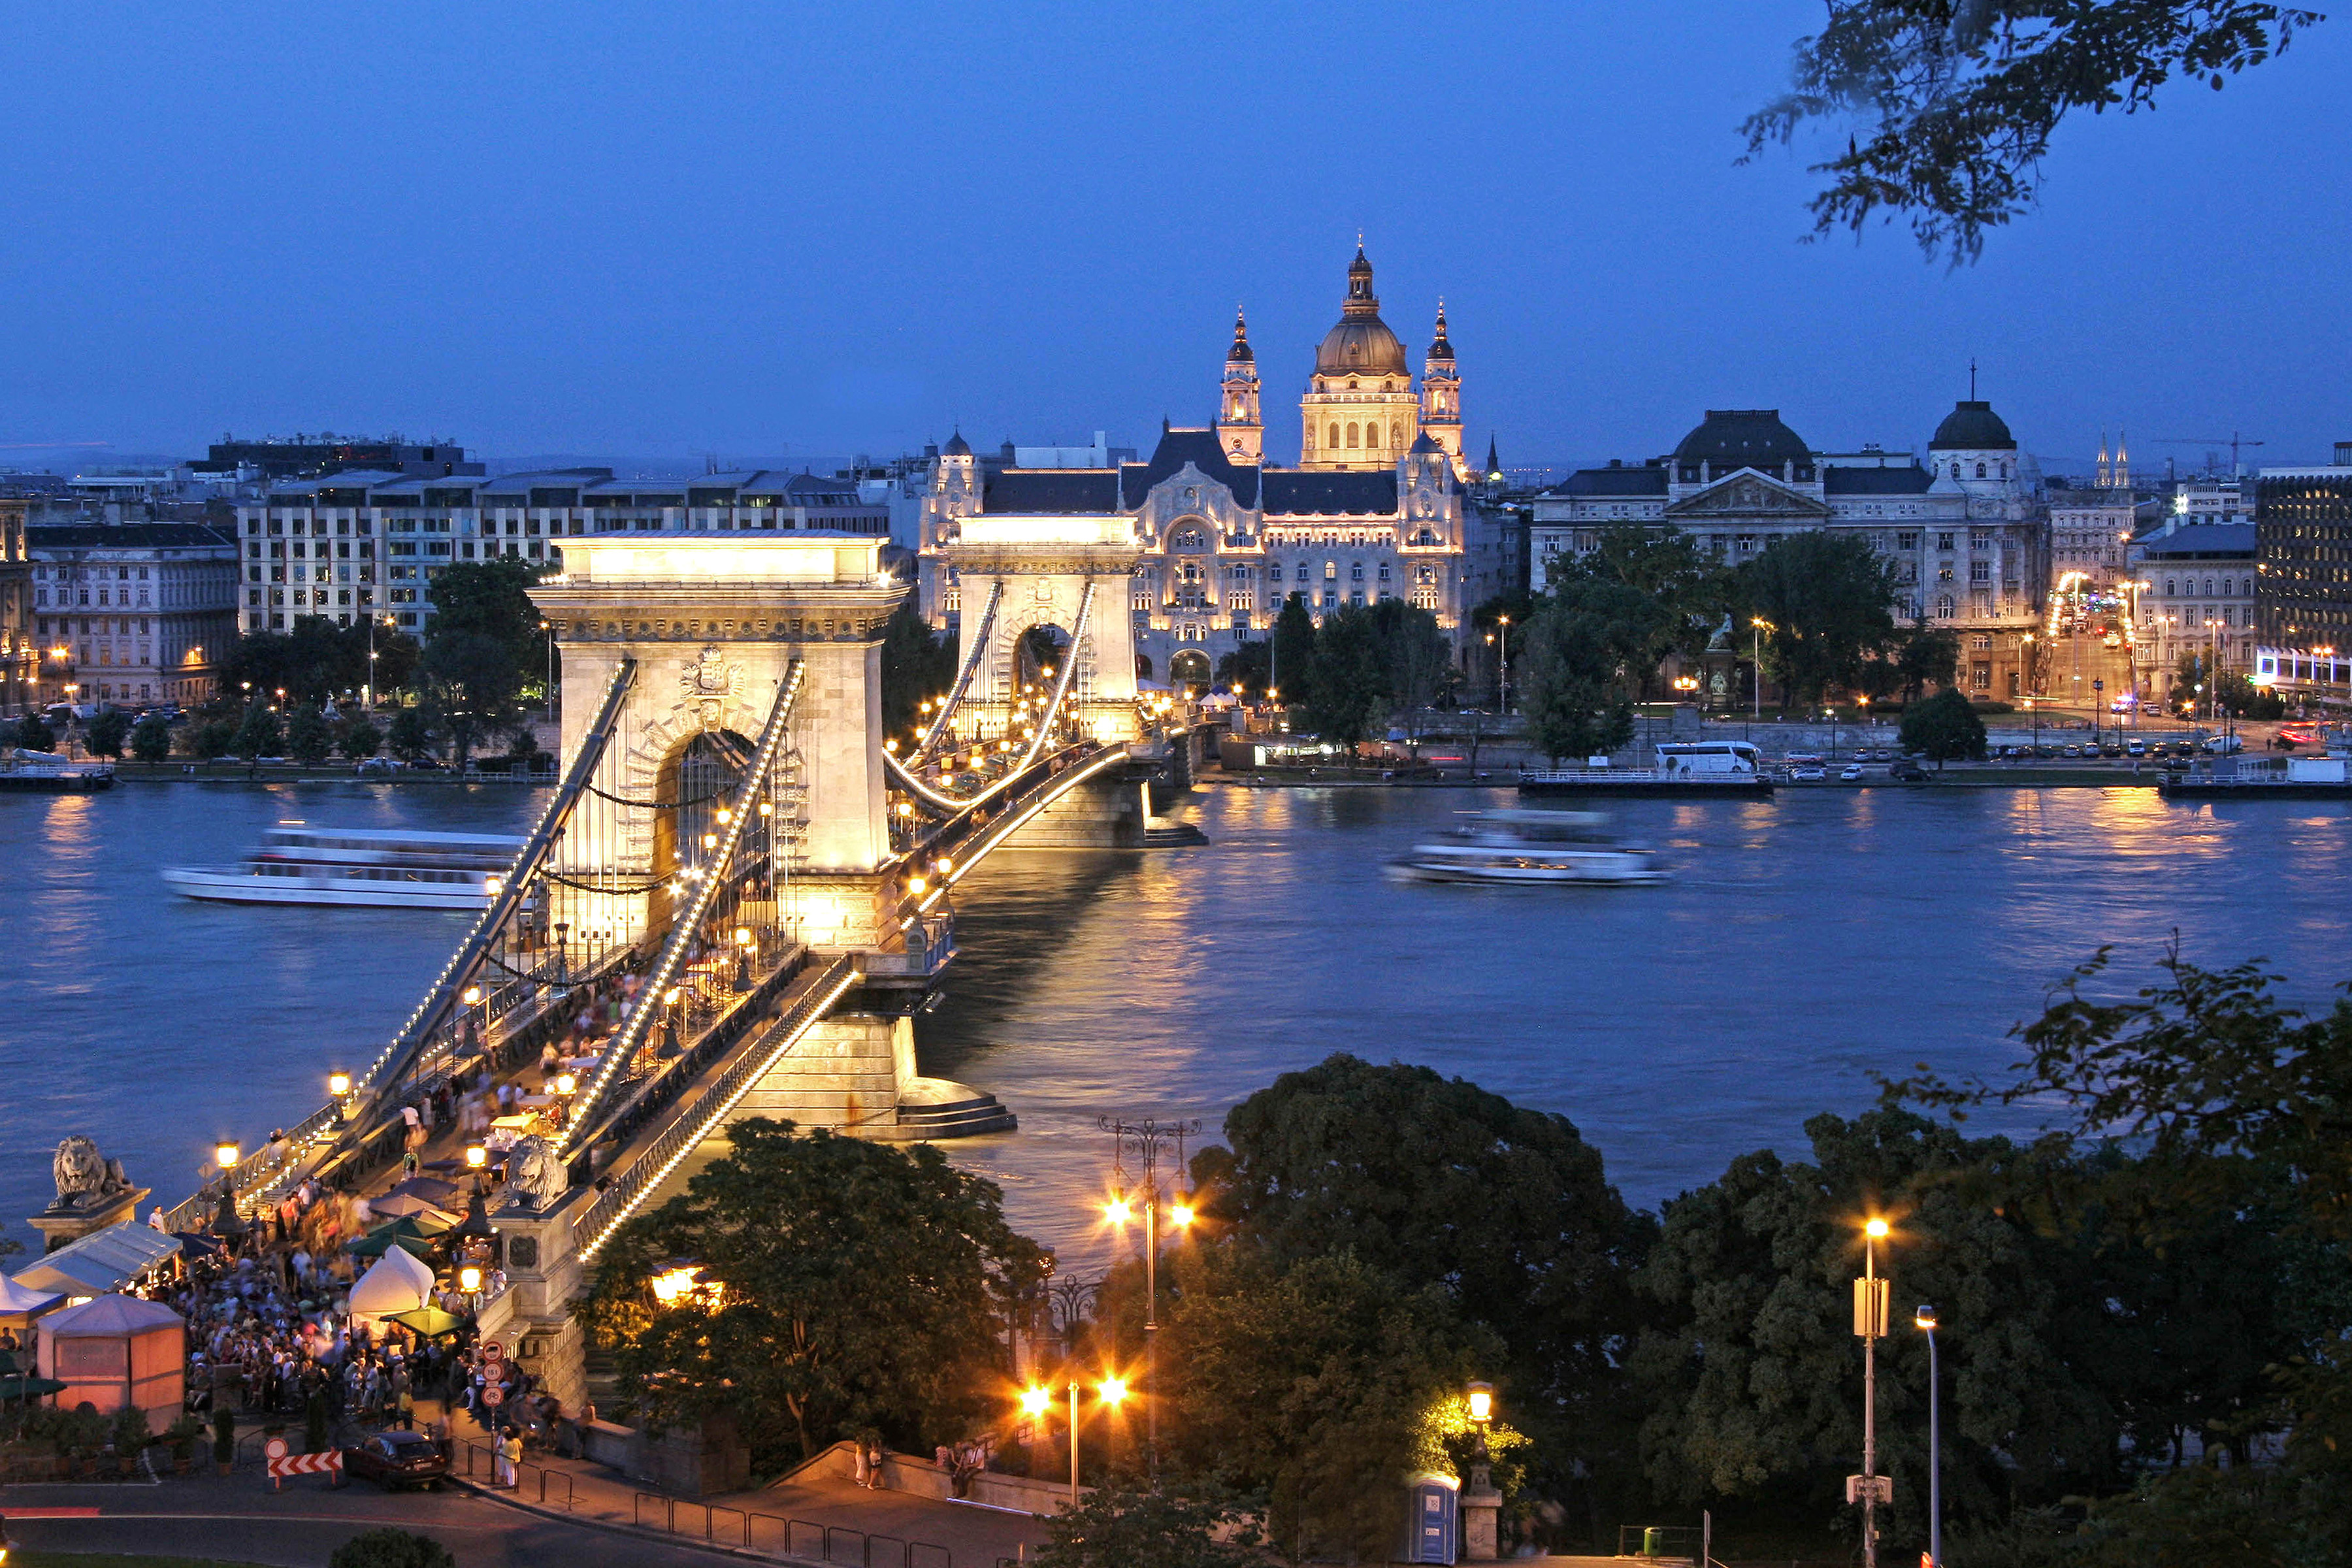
<point>116,1350</point>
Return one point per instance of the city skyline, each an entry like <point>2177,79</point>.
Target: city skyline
<point>917,224</point>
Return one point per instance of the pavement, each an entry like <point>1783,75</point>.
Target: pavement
<point>565,1511</point>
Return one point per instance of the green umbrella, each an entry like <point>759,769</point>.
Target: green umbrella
<point>430,1321</point>
<point>22,1387</point>
<point>405,1233</point>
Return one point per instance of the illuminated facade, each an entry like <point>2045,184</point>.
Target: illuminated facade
<point>19,660</point>
<point>1375,511</point>
<point>1967,533</point>
<point>134,614</point>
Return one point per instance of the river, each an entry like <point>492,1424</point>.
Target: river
<point>1805,943</point>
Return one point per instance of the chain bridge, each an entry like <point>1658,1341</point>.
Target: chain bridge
<point>750,873</point>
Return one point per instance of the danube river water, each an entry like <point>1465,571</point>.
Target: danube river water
<point>1805,943</point>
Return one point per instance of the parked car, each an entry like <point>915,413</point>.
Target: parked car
<point>2072,752</point>
<point>422,763</point>
<point>2222,745</point>
<point>2112,748</point>
<point>397,1459</point>
<point>2135,747</point>
<point>1807,774</point>
<point>1852,773</point>
<point>1906,770</point>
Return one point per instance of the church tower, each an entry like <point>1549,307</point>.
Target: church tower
<point>1240,431</point>
<point>1359,411</point>
<point>1441,396</point>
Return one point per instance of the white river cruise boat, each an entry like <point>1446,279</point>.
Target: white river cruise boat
<point>379,868</point>
<point>1531,847</point>
<point>46,773</point>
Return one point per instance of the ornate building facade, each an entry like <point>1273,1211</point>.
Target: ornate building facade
<point>1968,533</point>
<point>1375,510</point>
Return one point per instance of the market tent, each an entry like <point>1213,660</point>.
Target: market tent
<point>117,1350</point>
<point>397,1283</point>
<point>411,1233</point>
<point>103,1260</point>
<point>20,1304</point>
<point>429,1321</point>
<point>402,1205</point>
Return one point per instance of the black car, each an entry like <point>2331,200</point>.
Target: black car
<point>396,1459</point>
<point>1906,770</point>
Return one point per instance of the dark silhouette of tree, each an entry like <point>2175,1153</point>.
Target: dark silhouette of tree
<point>1960,99</point>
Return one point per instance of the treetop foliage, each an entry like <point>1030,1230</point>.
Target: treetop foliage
<point>1962,97</point>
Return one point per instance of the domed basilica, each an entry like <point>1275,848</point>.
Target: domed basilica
<point>1374,509</point>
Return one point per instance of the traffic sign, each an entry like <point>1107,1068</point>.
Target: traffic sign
<point>493,1395</point>
<point>491,1351</point>
<point>282,1464</point>
<point>274,1449</point>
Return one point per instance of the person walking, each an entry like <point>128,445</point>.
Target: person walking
<point>511,1451</point>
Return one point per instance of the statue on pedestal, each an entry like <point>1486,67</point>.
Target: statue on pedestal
<point>86,1179</point>
<point>535,1177</point>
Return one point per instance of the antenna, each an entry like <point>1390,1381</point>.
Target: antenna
<point>1972,378</point>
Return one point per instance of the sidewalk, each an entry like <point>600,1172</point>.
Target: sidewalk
<point>814,1520</point>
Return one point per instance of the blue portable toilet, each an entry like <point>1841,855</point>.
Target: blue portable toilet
<point>1434,1527</point>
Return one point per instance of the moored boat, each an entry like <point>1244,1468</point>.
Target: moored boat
<point>46,773</point>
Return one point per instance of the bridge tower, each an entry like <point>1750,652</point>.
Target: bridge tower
<point>1069,573</point>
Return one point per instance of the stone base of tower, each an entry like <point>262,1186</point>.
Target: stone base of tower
<point>854,1073</point>
<point>1111,814</point>
<point>532,1318</point>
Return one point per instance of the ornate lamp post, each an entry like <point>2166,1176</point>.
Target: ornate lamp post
<point>1480,1501</point>
<point>1148,1137</point>
<point>1870,1292</point>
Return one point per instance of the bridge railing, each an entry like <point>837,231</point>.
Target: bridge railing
<point>728,936</point>
<point>701,1109</point>
<point>948,704</point>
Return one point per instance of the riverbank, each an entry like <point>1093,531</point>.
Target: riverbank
<point>229,771</point>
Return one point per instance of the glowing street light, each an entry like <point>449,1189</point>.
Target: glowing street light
<point>1923,1318</point>
<point>225,1154</point>
<point>1870,1292</point>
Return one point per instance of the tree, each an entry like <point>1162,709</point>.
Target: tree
<point>360,740</point>
<point>151,740</point>
<point>1749,1375</point>
<point>918,664</point>
<point>1311,1380</point>
<point>1345,691</point>
<point>260,735</point>
<point>34,734</point>
<point>1576,675</point>
<point>1415,663</point>
<point>1926,657</point>
<point>389,1548</point>
<point>862,1285</point>
<point>1248,667</point>
<point>1689,589</point>
<point>108,732</point>
<point>1432,1181</point>
<point>1292,668</point>
<point>488,599</point>
<point>1944,727</point>
<point>471,678</point>
<point>412,733</point>
<point>1826,599</point>
<point>1966,97</point>
<point>1115,1528</point>
<point>210,739</point>
<point>2236,695</point>
<point>309,737</point>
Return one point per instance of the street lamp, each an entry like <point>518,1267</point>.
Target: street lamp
<point>1870,1294</point>
<point>225,1154</point>
<point>1758,626</point>
<point>1924,1318</point>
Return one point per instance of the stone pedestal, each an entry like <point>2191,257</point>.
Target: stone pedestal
<point>843,1075</point>
<point>533,1318</point>
<point>1110,815</point>
<point>1481,1505</point>
<point>59,1227</point>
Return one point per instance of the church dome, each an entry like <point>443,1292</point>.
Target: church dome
<point>1732,438</point>
<point>957,447</point>
<point>1240,354</point>
<point>1972,426</point>
<point>1361,344</point>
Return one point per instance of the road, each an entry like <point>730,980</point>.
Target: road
<point>238,1519</point>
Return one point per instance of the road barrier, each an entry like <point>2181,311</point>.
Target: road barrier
<point>786,1537</point>
<point>470,1460</point>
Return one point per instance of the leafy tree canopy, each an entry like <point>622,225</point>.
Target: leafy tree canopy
<point>1248,667</point>
<point>310,739</point>
<point>1115,1528</point>
<point>390,1548</point>
<point>108,732</point>
<point>1433,1182</point>
<point>471,678</point>
<point>1944,727</point>
<point>1347,689</point>
<point>1962,97</point>
<point>1826,599</point>
<point>863,1285</point>
<point>1580,658</point>
<point>151,739</point>
<point>1293,668</point>
<point>33,734</point>
<point>1691,590</point>
<point>918,664</point>
<point>490,599</point>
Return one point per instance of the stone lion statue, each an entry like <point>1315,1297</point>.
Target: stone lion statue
<point>535,1177</point>
<point>83,1175</point>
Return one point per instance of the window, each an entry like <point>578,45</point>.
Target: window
<point>1980,671</point>
<point>1980,571</point>
<point>1943,606</point>
<point>1354,571</point>
<point>1943,541</point>
<point>1354,430</point>
<point>1980,470</point>
<point>1330,570</point>
<point>1906,542</point>
<point>1334,442</point>
<point>1981,642</point>
<point>1385,570</point>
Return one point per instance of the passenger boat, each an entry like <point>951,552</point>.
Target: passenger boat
<point>378,867</point>
<point>1531,847</point>
<point>46,773</point>
<point>1683,768</point>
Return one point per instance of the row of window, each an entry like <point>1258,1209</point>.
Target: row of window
<point>2187,589</point>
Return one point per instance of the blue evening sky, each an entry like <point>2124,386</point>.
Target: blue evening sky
<point>793,232</point>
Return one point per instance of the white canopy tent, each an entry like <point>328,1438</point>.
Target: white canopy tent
<point>397,1283</point>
